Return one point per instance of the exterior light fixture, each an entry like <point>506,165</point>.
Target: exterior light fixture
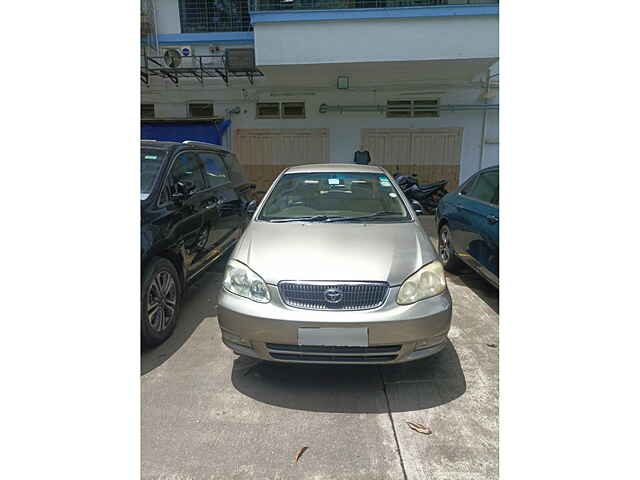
<point>343,82</point>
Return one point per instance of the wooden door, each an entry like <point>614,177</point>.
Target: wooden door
<point>265,152</point>
<point>431,153</point>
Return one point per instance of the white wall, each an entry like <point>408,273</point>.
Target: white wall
<point>491,153</point>
<point>344,129</point>
<point>168,16</point>
<point>431,38</point>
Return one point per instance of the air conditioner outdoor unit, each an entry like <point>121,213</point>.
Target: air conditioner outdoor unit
<point>240,60</point>
<point>185,50</point>
<point>185,53</point>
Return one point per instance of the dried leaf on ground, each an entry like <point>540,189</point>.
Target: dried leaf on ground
<point>418,427</point>
<point>302,450</point>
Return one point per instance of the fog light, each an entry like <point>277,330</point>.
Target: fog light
<point>237,339</point>
<point>430,342</point>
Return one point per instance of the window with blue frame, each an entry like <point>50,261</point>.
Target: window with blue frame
<point>265,5</point>
<point>199,16</point>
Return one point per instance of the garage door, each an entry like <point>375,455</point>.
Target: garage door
<point>431,153</point>
<point>264,152</point>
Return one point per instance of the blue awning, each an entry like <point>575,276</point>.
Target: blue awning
<point>208,132</point>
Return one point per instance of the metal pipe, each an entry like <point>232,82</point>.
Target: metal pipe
<point>324,108</point>
<point>484,122</point>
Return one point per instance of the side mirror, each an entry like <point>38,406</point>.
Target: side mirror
<point>183,190</point>
<point>251,207</point>
<point>417,207</point>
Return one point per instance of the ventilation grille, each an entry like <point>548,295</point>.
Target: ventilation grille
<point>312,353</point>
<point>201,110</point>
<point>147,110</point>
<point>334,296</point>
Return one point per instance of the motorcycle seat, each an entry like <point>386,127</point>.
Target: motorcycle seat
<point>441,183</point>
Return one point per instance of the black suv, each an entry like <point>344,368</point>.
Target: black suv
<point>195,201</point>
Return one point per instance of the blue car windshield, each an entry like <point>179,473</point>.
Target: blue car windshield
<point>328,196</point>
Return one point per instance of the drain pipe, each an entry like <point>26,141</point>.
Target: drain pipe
<point>484,123</point>
<point>484,119</point>
<point>226,136</point>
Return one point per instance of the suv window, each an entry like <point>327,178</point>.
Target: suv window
<point>486,187</point>
<point>235,171</point>
<point>150,165</point>
<point>214,168</point>
<point>187,167</point>
<point>466,188</point>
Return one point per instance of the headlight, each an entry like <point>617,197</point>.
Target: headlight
<point>425,283</point>
<point>241,280</point>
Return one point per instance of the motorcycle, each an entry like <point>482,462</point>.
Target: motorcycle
<point>427,195</point>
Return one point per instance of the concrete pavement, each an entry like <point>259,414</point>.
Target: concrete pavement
<point>208,414</point>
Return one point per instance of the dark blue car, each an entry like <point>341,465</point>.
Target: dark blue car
<point>467,222</point>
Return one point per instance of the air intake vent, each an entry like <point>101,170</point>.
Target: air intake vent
<point>200,110</point>
<point>323,354</point>
<point>147,110</point>
<point>334,296</point>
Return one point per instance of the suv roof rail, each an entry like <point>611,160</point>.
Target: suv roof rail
<point>205,144</point>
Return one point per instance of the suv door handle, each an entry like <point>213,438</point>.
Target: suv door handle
<point>492,219</point>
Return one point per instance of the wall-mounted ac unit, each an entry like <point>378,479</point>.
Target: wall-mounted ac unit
<point>179,55</point>
<point>240,60</point>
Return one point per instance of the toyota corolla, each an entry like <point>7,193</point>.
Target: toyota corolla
<point>334,267</point>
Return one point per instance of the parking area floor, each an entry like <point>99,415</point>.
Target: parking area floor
<point>208,414</point>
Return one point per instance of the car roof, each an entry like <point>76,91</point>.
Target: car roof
<point>158,144</point>
<point>186,144</point>
<point>334,167</point>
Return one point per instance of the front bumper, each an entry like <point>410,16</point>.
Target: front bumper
<point>397,333</point>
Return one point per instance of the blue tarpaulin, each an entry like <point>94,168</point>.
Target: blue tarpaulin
<point>179,131</point>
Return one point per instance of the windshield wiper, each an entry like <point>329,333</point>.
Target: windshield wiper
<point>332,218</point>
<point>362,217</point>
<point>311,218</point>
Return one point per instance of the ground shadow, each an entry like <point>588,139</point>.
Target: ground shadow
<point>489,294</point>
<point>353,389</point>
<point>200,302</point>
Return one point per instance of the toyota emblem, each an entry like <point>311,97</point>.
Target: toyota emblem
<point>333,295</point>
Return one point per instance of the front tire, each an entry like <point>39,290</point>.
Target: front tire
<point>160,302</point>
<point>450,261</point>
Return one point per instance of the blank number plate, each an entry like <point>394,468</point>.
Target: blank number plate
<point>334,337</point>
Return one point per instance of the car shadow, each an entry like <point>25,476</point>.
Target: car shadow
<point>412,386</point>
<point>200,302</point>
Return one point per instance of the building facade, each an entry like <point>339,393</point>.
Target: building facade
<point>414,82</point>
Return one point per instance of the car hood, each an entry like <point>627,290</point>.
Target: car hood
<point>334,251</point>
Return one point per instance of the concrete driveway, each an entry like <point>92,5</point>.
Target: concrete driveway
<point>206,413</point>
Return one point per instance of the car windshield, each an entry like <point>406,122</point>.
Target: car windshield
<point>150,163</point>
<point>334,197</point>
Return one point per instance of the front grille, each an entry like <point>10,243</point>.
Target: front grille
<point>318,353</point>
<point>334,296</point>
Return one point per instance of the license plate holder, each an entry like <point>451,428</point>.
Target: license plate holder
<point>334,337</point>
